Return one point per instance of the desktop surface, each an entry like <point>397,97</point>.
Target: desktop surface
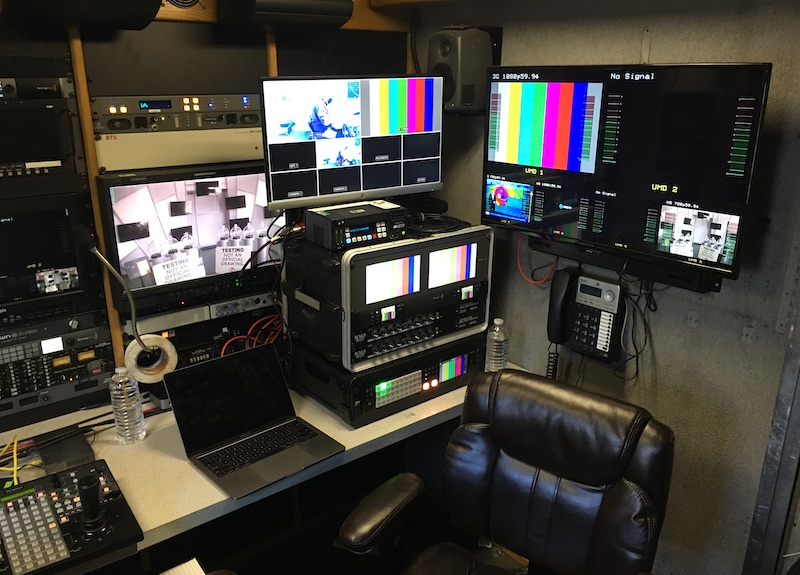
<point>168,496</point>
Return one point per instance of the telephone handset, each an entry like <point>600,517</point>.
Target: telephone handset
<point>585,314</point>
<point>562,289</point>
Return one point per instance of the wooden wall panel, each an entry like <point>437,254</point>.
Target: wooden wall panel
<point>203,11</point>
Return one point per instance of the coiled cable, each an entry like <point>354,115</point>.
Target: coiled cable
<point>552,361</point>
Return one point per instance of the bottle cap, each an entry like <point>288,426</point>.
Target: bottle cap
<point>120,370</point>
<point>498,321</point>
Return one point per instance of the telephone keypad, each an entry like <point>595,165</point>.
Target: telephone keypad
<point>591,333</point>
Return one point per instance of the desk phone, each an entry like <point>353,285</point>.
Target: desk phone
<point>55,522</point>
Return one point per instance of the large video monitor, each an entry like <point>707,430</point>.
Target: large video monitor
<point>188,235</point>
<point>335,140</point>
<point>644,168</point>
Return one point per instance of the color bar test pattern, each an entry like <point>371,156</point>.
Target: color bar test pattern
<point>401,106</point>
<point>545,124</point>
<point>452,265</point>
<point>394,278</point>
<point>452,368</point>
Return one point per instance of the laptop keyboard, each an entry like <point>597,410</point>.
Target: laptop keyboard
<point>252,449</point>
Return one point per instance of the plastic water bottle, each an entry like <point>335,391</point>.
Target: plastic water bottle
<point>126,402</point>
<point>496,346</point>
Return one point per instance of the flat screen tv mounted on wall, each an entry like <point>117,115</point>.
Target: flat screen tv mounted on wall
<point>644,169</point>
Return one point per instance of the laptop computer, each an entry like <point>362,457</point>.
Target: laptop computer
<point>224,405</point>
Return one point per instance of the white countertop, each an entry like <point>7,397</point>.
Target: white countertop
<point>169,496</point>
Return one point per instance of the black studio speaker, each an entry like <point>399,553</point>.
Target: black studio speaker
<point>302,14</point>
<point>461,55</point>
<point>85,14</point>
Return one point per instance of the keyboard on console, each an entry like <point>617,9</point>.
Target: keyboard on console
<point>44,527</point>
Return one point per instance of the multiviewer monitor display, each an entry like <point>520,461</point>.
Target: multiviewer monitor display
<point>31,269</point>
<point>332,140</point>
<point>173,226</point>
<point>648,162</point>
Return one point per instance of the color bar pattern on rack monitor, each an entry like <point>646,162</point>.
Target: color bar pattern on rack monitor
<point>462,262</point>
<point>452,265</point>
<point>452,368</point>
<point>393,278</point>
<point>402,106</point>
<point>545,124</point>
<point>404,274</point>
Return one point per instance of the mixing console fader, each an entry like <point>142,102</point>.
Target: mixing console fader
<point>63,520</point>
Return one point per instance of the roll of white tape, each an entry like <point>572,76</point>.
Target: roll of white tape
<point>154,372</point>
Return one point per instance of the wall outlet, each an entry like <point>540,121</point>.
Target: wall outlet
<point>748,335</point>
<point>692,319</point>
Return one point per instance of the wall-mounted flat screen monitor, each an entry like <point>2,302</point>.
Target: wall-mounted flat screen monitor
<point>644,165</point>
<point>337,140</point>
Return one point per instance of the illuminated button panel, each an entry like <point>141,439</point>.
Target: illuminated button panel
<point>396,389</point>
<point>427,379</point>
<point>65,498</point>
<point>40,521</point>
<point>31,533</point>
<point>135,114</point>
<point>361,235</point>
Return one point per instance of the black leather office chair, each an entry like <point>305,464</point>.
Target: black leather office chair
<point>573,481</point>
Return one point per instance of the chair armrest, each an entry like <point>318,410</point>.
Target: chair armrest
<point>366,522</point>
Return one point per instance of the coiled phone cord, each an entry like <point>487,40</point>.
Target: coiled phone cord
<point>552,361</point>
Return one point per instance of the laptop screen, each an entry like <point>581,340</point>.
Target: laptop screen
<point>224,398</point>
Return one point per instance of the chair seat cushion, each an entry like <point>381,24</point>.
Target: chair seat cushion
<point>450,559</point>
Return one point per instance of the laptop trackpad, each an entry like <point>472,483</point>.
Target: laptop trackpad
<point>320,447</point>
<point>283,464</point>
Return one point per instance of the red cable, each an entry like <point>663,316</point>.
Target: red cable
<point>227,343</point>
<point>267,320</point>
<point>524,275</point>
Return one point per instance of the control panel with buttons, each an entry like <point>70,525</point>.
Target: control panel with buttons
<point>51,361</point>
<point>61,520</point>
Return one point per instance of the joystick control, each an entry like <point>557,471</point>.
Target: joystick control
<point>93,518</point>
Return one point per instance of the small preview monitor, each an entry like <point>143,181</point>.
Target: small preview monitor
<point>337,140</point>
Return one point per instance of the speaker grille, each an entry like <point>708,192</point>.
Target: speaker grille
<point>184,3</point>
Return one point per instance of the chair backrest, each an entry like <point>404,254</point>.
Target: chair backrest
<point>574,481</point>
